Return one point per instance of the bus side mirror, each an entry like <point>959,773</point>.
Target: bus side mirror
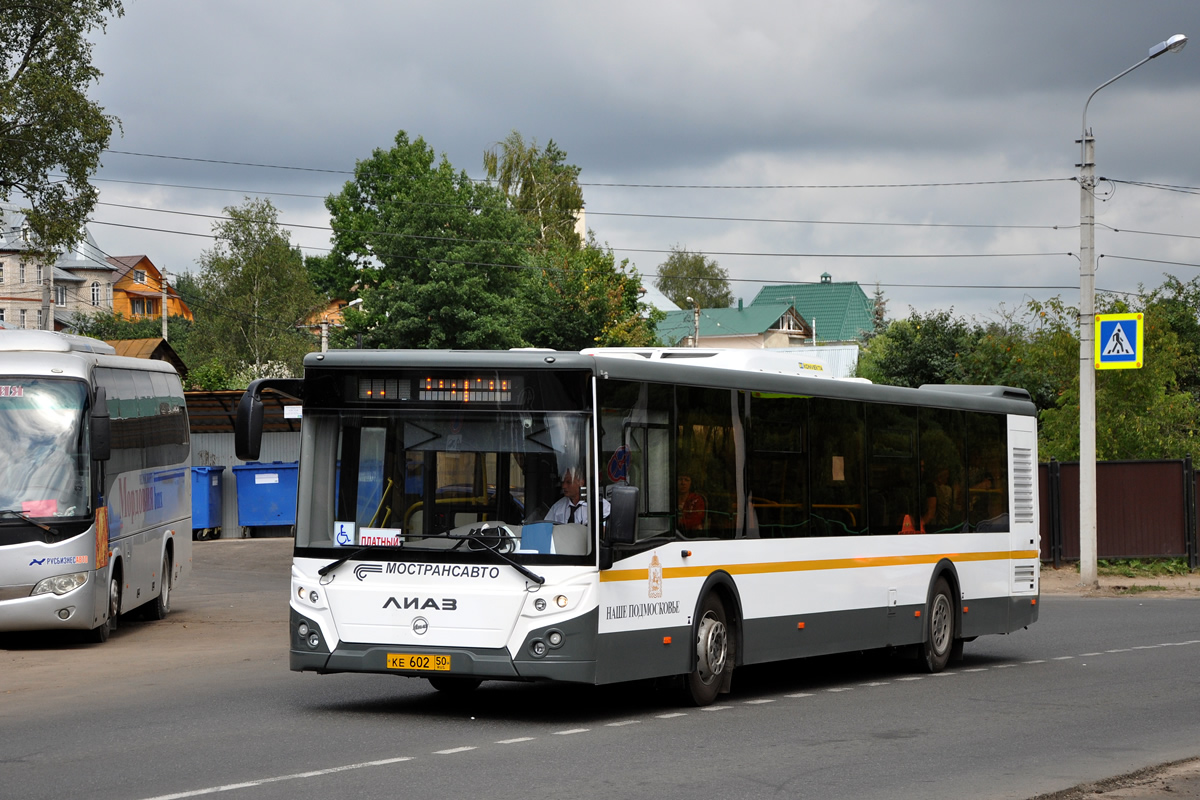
<point>100,443</point>
<point>623,515</point>
<point>247,429</point>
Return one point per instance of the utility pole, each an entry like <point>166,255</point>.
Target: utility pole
<point>164,305</point>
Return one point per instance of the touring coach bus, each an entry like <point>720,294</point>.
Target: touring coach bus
<point>615,515</point>
<point>95,484</point>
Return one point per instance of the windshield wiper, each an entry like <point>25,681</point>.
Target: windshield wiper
<point>330,567</point>
<point>25,517</point>
<point>475,538</point>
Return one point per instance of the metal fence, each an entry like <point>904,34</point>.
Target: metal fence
<point>1144,509</point>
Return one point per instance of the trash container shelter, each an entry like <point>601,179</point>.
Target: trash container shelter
<point>206,502</point>
<point>211,417</point>
<point>266,497</point>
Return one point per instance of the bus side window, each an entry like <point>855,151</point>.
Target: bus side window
<point>706,452</point>
<point>635,448</point>
<point>779,481</point>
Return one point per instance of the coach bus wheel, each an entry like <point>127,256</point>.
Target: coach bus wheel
<point>102,631</point>
<point>161,606</point>
<point>455,685</point>
<point>704,682</point>
<point>939,629</point>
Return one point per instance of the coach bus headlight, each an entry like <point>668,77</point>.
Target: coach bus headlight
<point>60,584</point>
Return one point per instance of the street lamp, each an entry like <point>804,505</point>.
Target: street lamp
<point>1087,326</point>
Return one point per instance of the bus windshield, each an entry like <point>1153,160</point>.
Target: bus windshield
<point>45,470</point>
<point>432,480</point>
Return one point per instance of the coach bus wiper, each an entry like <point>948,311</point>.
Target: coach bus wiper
<point>22,516</point>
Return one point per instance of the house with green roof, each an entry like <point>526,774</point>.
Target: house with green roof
<point>759,325</point>
<point>838,312</point>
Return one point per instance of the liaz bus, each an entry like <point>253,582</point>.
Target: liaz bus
<point>724,508</point>
<point>95,486</point>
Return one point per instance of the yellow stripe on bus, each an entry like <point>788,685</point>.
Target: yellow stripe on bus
<point>808,566</point>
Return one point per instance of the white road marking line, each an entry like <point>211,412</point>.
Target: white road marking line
<point>1088,655</point>
<point>1120,650</point>
<point>872,683</point>
<point>799,694</point>
<point>514,741</point>
<point>912,678</point>
<point>452,751</point>
<point>672,716</point>
<point>1039,661</point>
<point>294,776</point>
<point>841,689</point>
<point>571,731</point>
<point>620,724</point>
<point>758,702</point>
<point>976,669</point>
<point>1062,658</point>
<point>715,708</point>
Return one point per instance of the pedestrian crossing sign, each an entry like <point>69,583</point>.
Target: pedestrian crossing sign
<point>1119,340</point>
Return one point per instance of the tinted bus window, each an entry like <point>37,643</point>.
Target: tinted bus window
<point>839,485</point>
<point>779,481</point>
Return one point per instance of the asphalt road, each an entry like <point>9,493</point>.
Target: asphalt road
<point>203,704</point>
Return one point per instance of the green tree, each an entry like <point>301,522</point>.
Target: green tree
<point>329,277</point>
<point>686,274</point>
<point>254,295</point>
<point>48,126</point>
<point>439,257</point>
<point>927,348</point>
<point>584,299</point>
<point>108,326</point>
<point>1140,413</point>
<point>539,185</point>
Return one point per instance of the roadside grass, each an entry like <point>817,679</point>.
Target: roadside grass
<point>1139,589</point>
<point>1141,567</point>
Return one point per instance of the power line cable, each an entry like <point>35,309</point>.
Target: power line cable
<point>928,184</point>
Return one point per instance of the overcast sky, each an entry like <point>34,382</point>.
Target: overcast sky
<point>770,120</point>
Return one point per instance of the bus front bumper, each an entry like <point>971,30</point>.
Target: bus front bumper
<point>74,610</point>
<point>572,660</point>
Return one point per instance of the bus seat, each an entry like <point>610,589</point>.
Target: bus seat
<point>571,540</point>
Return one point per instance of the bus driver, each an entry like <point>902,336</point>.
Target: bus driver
<point>571,507</point>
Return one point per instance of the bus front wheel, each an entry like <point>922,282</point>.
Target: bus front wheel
<point>159,607</point>
<point>939,629</point>
<point>713,662</point>
<point>102,631</point>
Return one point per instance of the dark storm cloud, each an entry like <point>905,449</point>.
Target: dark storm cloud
<point>684,93</point>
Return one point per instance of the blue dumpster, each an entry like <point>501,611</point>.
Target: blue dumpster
<point>266,493</point>
<point>206,502</point>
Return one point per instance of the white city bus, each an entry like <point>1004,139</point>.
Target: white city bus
<point>753,511</point>
<point>95,486</point>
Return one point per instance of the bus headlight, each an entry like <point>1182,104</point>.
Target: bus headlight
<point>60,584</point>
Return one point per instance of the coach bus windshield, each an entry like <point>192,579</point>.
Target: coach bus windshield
<point>45,469</point>
<point>432,480</point>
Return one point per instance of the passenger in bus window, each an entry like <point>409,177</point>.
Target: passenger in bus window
<point>572,506</point>
<point>691,506</point>
<point>939,499</point>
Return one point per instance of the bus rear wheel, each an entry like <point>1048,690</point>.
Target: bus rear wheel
<point>939,629</point>
<point>705,681</point>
